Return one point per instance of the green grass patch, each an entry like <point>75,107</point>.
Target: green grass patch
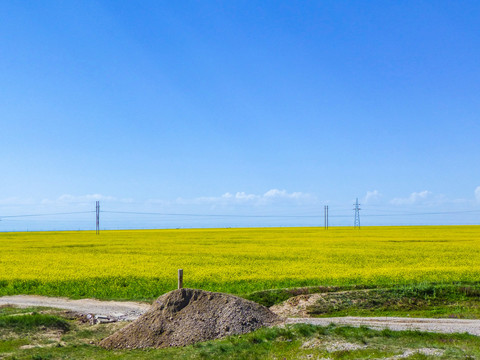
<point>31,322</point>
<point>11,344</point>
<point>134,288</point>
<point>13,310</point>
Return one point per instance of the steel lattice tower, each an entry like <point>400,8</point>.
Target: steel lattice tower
<point>357,215</point>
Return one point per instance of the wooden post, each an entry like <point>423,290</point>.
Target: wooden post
<point>180,278</point>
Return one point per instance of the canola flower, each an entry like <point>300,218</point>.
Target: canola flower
<point>142,264</point>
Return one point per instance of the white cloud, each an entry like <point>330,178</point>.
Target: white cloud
<point>372,196</point>
<point>477,193</point>
<point>414,198</point>
<point>273,195</point>
<point>241,196</point>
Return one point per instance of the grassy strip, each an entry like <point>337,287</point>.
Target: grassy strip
<point>31,322</point>
<point>103,288</point>
<point>132,288</point>
<point>12,310</point>
<point>293,342</point>
<point>148,289</point>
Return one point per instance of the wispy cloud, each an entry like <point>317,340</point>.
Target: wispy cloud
<point>283,194</point>
<point>272,196</point>
<point>414,198</point>
<point>477,193</point>
<point>372,196</point>
<point>239,196</point>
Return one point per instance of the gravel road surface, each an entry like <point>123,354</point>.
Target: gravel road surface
<point>397,323</point>
<point>119,310</point>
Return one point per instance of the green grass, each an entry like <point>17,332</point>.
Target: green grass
<point>9,310</point>
<point>126,288</point>
<point>11,344</point>
<point>292,342</point>
<point>31,322</point>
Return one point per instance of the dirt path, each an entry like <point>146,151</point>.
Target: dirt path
<point>397,323</point>
<point>128,311</point>
<point>119,310</point>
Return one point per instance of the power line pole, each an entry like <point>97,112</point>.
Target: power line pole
<point>97,211</point>
<point>325,216</point>
<point>357,215</point>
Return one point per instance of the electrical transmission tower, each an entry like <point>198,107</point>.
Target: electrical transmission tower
<point>97,211</point>
<point>357,215</point>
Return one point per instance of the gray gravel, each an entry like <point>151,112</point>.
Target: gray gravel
<point>397,323</point>
<point>118,310</point>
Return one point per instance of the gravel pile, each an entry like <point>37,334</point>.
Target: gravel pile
<point>186,316</point>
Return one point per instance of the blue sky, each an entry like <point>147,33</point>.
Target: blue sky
<point>239,108</point>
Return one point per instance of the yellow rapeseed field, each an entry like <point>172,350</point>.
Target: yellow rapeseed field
<point>144,263</point>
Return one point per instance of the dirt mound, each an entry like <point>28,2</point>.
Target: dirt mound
<point>297,306</point>
<point>187,316</point>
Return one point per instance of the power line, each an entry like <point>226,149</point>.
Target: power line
<point>426,213</point>
<point>285,216</point>
<point>233,215</point>
<point>47,214</point>
<point>209,215</point>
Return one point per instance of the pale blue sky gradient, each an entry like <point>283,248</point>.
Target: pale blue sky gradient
<point>239,107</point>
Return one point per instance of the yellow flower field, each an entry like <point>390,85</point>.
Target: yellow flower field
<point>143,263</point>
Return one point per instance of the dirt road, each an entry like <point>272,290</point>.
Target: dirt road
<point>119,310</point>
<point>128,311</point>
<point>396,323</point>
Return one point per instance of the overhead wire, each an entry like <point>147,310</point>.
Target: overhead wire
<point>46,214</point>
<point>208,215</point>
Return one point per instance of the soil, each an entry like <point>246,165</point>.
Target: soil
<point>296,306</point>
<point>186,316</point>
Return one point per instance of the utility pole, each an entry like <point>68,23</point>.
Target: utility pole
<point>357,215</point>
<point>97,211</point>
<point>325,216</point>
